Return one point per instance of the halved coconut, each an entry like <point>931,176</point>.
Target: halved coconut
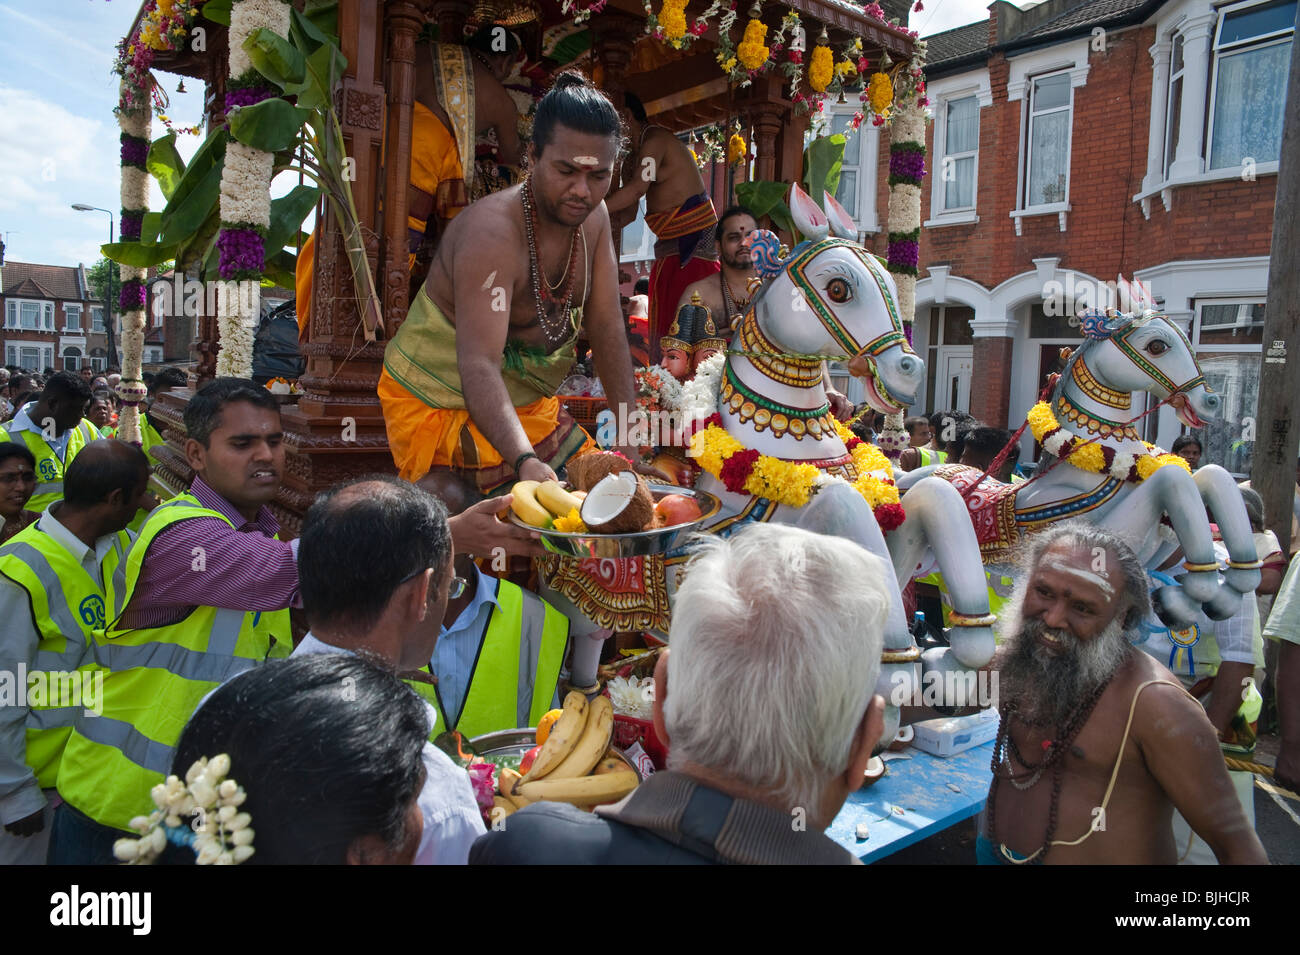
<point>875,772</point>
<point>586,470</point>
<point>619,504</point>
<point>902,740</point>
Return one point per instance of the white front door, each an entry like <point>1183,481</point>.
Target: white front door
<point>952,383</point>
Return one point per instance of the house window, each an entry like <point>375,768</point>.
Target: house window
<point>1174,113</point>
<point>847,192</point>
<point>1047,160</point>
<point>1252,57</point>
<point>96,318</point>
<point>1228,338</point>
<point>961,136</point>
<point>71,358</point>
<point>29,358</point>
<point>30,313</point>
<point>72,318</point>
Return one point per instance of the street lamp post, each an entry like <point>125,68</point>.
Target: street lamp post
<point>108,306</point>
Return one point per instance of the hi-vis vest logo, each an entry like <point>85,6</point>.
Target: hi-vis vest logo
<point>92,611</point>
<point>49,472</point>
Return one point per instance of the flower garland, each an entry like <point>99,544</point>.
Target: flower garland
<point>752,52</point>
<point>220,834</point>
<point>164,26</point>
<point>1094,457</point>
<point>737,148</point>
<point>134,121</point>
<point>245,202</point>
<point>581,14</point>
<point>822,70</point>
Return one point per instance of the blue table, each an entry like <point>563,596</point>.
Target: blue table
<point>919,788</point>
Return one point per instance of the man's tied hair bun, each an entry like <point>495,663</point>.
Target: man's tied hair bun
<point>569,78</point>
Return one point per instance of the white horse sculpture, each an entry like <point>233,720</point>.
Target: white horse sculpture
<point>1123,354</point>
<point>829,298</point>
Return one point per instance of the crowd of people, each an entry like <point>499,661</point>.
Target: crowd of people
<point>173,621</point>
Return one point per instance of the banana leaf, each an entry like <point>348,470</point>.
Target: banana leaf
<point>280,268</point>
<point>287,214</point>
<point>182,219</point>
<point>764,198</point>
<point>138,253</point>
<point>822,161</point>
<point>306,35</point>
<point>165,164</point>
<point>218,11</point>
<point>211,155</point>
<point>270,125</point>
<point>274,57</point>
<point>323,71</point>
<point>149,226</point>
<point>196,247</point>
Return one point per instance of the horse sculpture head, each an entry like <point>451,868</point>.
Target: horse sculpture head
<point>831,297</point>
<point>1145,351</point>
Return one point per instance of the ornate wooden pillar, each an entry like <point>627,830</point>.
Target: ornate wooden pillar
<point>613,36</point>
<point>207,338</point>
<point>336,430</point>
<point>768,120</point>
<point>402,20</point>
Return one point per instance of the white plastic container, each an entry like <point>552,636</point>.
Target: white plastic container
<point>950,736</point>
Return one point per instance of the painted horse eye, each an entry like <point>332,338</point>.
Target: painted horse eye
<point>839,291</point>
<point>1158,347</point>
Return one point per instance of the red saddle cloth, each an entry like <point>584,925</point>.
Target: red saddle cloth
<point>992,507</point>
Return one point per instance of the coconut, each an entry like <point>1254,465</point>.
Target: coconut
<point>586,470</point>
<point>902,740</point>
<point>875,772</point>
<point>620,503</point>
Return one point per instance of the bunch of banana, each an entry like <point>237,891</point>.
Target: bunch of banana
<point>575,764</point>
<point>538,503</point>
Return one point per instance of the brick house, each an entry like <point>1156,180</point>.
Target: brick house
<point>51,318</point>
<point>1074,142</point>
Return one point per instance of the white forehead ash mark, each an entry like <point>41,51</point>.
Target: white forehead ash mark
<point>1098,580</point>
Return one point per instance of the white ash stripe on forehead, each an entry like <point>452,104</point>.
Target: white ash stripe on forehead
<point>1093,578</point>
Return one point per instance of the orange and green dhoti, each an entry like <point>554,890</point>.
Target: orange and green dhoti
<point>686,252</point>
<point>428,425</point>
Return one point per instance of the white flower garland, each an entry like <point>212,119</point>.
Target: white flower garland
<point>699,397</point>
<point>134,193</point>
<point>245,194</point>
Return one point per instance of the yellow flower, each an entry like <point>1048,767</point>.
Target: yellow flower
<point>1146,466</point>
<point>1166,460</point>
<point>821,69</point>
<point>729,64</point>
<point>570,523</point>
<point>1041,420</point>
<point>673,19</point>
<point>881,93</point>
<point>737,149</point>
<point>1088,457</point>
<point>845,69</point>
<point>165,7</point>
<point>752,52</point>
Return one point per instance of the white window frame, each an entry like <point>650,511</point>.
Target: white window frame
<point>97,363</point>
<point>97,318</point>
<point>1244,302</point>
<point>646,250</point>
<point>44,353</point>
<point>1023,203</point>
<point>77,359</point>
<point>69,313</point>
<point>44,315</point>
<point>11,353</point>
<point>1175,41</point>
<point>864,164</point>
<point>940,92</point>
<point>1216,54</point>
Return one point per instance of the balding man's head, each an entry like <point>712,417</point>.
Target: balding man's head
<point>109,474</point>
<point>361,541</point>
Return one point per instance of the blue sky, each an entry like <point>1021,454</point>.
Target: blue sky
<point>58,136</point>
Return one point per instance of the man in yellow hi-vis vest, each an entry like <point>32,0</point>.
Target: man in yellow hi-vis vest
<point>202,594</point>
<point>51,600</point>
<point>55,429</point>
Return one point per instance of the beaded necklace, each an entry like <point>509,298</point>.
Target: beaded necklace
<point>554,331</point>
<point>733,309</point>
<point>1053,758</point>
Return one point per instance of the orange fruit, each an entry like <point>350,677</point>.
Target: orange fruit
<point>544,725</point>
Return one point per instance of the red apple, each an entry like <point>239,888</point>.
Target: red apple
<point>526,763</point>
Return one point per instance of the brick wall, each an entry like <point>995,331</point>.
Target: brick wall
<point>992,356</point>
<point>1106,232</point>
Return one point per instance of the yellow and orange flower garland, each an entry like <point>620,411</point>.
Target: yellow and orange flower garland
<point>745,471</point>
<point>1094,457</point>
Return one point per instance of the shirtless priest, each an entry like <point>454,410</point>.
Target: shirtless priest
<point>469,380</point>
<point>1098,742</point>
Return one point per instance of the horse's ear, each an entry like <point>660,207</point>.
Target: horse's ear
<point>808,216</point>
<point>842,224</point>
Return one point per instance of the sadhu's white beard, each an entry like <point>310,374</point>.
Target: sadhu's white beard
<point>1050,686</point>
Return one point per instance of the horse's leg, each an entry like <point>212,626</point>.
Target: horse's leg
<point>937,517</point>
<point>1171,491</point>
<point>1221,495</point>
